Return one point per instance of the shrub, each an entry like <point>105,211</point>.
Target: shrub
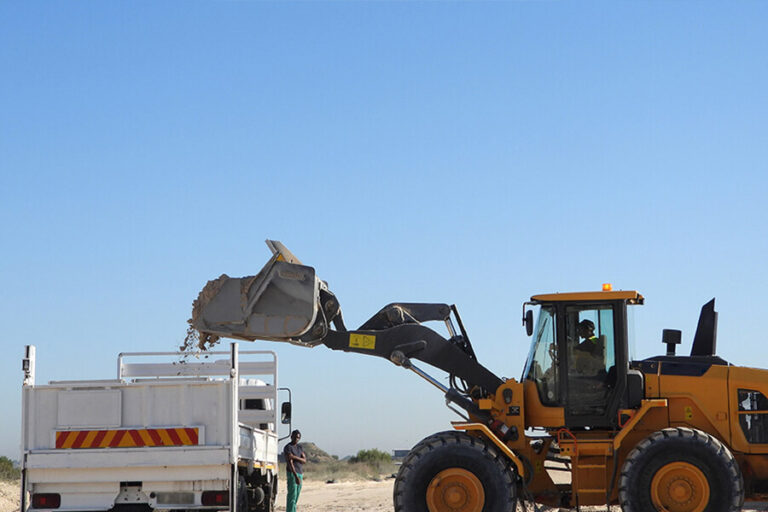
<point>373,456</point>
<point>8,470</point>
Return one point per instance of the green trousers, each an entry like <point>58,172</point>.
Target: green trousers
<point>293,492</point>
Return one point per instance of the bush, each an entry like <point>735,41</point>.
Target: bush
<point>8,470</point>
<point>366,465</point>
<point>373,456</point>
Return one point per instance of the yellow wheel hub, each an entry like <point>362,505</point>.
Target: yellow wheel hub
<point>455,490</point>
<point>680,487</point>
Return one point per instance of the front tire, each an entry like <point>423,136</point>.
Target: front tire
<point>454,472</point>
<point>681,470</point>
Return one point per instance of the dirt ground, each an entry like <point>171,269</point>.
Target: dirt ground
<point>376,497</point>
<point>366,496</point>
<point>370,497</point>
<point>315,497</point>
<point>10,496</point>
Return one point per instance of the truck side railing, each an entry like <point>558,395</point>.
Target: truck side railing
<point>257,390</point>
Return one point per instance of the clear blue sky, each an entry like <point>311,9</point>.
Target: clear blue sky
<point>470,153</point>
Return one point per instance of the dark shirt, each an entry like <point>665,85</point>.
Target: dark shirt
<point>294,449</point>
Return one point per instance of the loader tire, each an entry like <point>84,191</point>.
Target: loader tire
<point>681,470</point>
<point>455,472</point>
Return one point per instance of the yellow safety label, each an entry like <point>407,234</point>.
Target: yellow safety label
<point>362,341</point>
<point>689,413</point>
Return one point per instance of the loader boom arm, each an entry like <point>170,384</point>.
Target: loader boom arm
<point>416,341</point>
<point>287,302</point>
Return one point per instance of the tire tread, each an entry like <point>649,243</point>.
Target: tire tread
<point>687,435</point>
<point>444,440</point>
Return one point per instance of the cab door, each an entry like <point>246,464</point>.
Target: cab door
<point>592,343</point>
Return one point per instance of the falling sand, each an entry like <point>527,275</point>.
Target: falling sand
<point>196,341</point>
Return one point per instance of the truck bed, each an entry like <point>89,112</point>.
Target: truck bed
<point>149,439</point>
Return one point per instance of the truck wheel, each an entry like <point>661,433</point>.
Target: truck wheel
<point>242,495</point>
<point>273,494</point>
<point>454,472</point>
<point>681,470</point>
<point>268,505</point>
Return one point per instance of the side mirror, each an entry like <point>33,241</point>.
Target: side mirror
<point>285,413</point>
<point>528,322</point>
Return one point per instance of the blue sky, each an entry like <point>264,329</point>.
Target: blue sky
<point>462,152</point>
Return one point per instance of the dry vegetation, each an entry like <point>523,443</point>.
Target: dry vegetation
<point>339,470</point>
<point>323,467</point>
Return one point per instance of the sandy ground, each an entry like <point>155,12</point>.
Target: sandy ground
<point>10,496</point>
<point>343,497</point>
<point>375,497</point>
<point>315,497</point>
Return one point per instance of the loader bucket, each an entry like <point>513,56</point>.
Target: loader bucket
<point>280,303</point>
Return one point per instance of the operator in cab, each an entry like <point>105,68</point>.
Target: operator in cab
<point>588,354</point>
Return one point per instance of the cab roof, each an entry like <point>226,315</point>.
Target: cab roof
<point>631,296</point>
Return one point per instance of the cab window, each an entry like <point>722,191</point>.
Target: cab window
<point>591,358</point>
<point>542,361</point>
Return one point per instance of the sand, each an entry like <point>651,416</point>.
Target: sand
<point>315,497</point>
<point>377,497</point>
<point>343,497</point>
<point>10,496</point>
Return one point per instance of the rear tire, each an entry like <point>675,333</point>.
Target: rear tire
<point>270,495</point>
<point>242,495</point>
<point>681,470</point>
<point>455,472</point>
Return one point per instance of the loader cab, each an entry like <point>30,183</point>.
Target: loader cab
<point>579,356</point>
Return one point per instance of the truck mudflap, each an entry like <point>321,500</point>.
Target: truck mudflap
<point>285,301</point>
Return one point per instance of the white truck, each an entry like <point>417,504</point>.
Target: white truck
<point>168,434</point>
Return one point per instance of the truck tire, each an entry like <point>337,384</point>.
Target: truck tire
<point>681,470</point>
<point>242,495</point>
<point>271,497</point>
<point>453,471</point>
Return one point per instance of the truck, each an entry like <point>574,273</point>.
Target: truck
<point>171,432</point>
<point>670,433</point>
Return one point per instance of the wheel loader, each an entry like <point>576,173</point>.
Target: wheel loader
<point>669,433</point>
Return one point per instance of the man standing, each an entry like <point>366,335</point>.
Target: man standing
<point>294,467</point>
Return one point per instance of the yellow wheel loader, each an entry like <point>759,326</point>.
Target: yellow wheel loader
<point>669,433</point>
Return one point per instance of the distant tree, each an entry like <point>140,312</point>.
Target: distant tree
<point>8,470</point>
<point>373,456</point>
